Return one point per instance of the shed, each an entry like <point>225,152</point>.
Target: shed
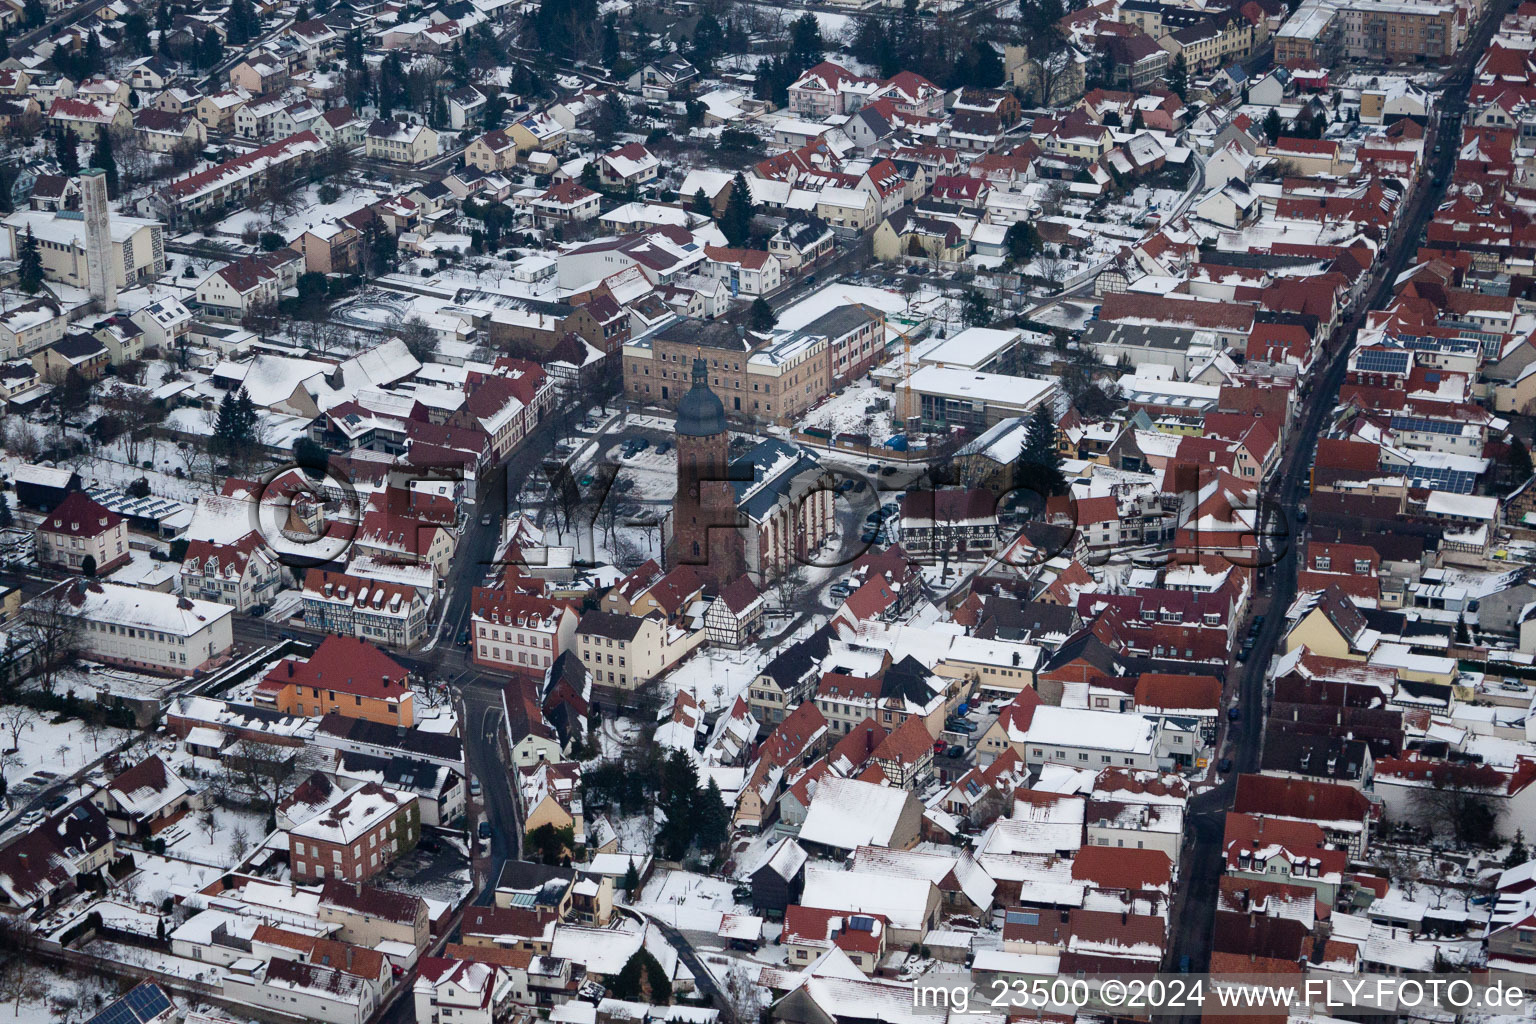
<point>44,487</point>
<point>780,879</point>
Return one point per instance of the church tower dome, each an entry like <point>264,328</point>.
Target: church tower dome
<point>700,413</point>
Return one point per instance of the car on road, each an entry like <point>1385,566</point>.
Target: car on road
<point>463,638</point>
<point>485,520</point>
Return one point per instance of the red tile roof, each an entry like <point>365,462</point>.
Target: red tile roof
<point>346,665</point>
<point>79,516</point>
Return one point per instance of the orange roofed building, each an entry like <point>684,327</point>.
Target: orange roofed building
<point>344,676</point>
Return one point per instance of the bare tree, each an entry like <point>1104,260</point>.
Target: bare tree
<point>16,719</point>
<point>95,721</point>
<point>626,554</point>
<point>1457,808</point>
<point>139,412</point>
<point>257,773</point>
<point>21,440</point>
<point>20,969</point>
<point>744,999</point>
<point>239,841</point>
<point>419,337</point>
<point>279,195</point>
<point>1053,269</point>
<point>791,585</point>
<point>54,626</point>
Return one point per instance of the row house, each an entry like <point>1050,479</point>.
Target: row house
<point>519,633</point>
<point>241,573</point>
<point>377,611</point>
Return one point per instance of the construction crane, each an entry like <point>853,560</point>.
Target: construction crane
<point>906,340</point>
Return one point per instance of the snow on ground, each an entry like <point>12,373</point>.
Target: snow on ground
<point>716,676</point>
<point>110,466</point>
<point>850,412</point>
<point>158,877</point>
<point>48,994</point>
<point>61,748</point>
<point>215,836</point>
<point>836,28</point>
<point>1072,314</point>
<point>311,213</point>
<point>165,963</point>
<point>687,900</point>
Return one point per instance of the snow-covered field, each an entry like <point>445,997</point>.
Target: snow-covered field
<point>850,412</point>
<point>216,836</point>
<point>715,676</point>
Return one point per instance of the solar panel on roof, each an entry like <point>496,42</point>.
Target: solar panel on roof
<point>1426,425</point>
<point>1379,361</point>
<point>147,1001</point>
<point>144,1003</point>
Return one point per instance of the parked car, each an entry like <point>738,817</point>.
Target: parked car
<point>1234,713</point>
<point>641,444</point>
<point>1224,765</point>
<point>485,520</point>
<point>956,751</point>
<point>485,831</point>
<point>939,746</point>
<point>960,725</point>
<point>663,447</point>
<point>474,787</point>
<point>859,485</point>
<point>868,536</point>
<point>463,638</point>
<point>32,818</point>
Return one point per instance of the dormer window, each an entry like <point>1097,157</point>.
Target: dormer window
<point>1323,561</point>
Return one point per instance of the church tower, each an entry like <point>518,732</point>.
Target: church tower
<point>704,532</point>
